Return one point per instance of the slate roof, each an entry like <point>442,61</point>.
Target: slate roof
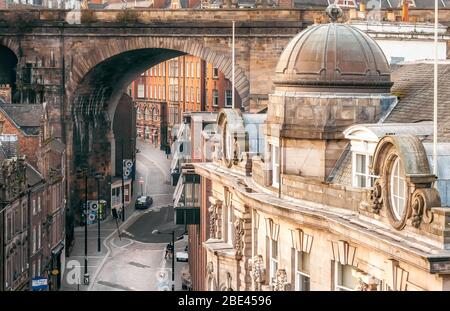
<point>26,117</point>
<point>33,176</point>
<point>413,84</point>
<point>310,4</point>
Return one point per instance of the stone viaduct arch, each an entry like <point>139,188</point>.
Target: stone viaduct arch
<point>86,67</point>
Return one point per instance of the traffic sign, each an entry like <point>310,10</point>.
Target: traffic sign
<point>127,165</point>
<point>39,283</point>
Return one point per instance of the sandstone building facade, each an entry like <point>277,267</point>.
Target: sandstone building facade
<point>335,189</point>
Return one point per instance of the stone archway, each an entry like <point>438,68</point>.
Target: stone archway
<point>8,68</point>
<point>11,44</point>
<point>98,76</point>
<point>85,63</point>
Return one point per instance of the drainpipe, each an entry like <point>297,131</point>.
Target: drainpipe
<point>280,144</point>
<point>217,270</point>
<point>29,234</point>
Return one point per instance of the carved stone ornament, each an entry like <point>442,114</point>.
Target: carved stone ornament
<point>236,151</point>
<point>229,282</point>
<point>238,237</point>
<point>376,198</point>
<point>14,176</point>
<point>258,272</point>
<point>422,201</point>
<point>420,195</point>
<point>280,282</point>
<point>213,216</point>
<point>210,269</point>
<point>334,12</point>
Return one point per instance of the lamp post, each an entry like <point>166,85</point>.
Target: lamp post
<point>82,173</point>
<point>123,184</point>
<point>173,254</point>
<point>98,177</point>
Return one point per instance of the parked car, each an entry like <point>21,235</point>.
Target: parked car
<point>143,202</point>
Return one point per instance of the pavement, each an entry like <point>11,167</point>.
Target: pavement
<point>135,260</point>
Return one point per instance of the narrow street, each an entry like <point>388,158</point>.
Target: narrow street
<point>135,261</point>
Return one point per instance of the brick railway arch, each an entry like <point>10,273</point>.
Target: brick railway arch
<point>9,59</point>
<point>105,71</point>
<point>98,79</point>
<point>12,44</point>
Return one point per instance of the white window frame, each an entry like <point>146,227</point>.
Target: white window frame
<point>275,165</point>
<point>198,95</point>
<point>215,96</point>
<point>39,232</point>
<point>396,198</point>
<point>228,92</point>
<point>300,274</point>
<point>141,90</point>
<point>338,276</point>
<point>34,240</point>
<point>230,225</point>
<point>198,69</point>
<point>39,203</point>
<point>273,261</point>
<point>215,73</point>
<point>369,178</point>
<point>39,267</point>
<point>34,207</point>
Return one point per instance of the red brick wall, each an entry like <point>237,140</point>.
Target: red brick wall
<point>28,145</point>
<point>220,84</point>
<point>157,4</point>
<point>2,4</point>
<point>198,235</point>
<point>285,4</point>
<point>193,3</point>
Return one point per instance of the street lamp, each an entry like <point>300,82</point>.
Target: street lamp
<point>83,173</point>
<point>173,254</point>
<point>123,185</point>
<point>99,177</point>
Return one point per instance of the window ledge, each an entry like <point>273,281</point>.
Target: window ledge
<point>222,248</point>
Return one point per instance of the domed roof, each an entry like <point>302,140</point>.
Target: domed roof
<point>333,57</point>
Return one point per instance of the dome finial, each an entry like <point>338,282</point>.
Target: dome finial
<point>334,11</point>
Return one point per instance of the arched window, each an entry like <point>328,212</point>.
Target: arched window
<point>155,114</point>
<point>398,188</point>
<point>147,115</point>
<point>139,113</point>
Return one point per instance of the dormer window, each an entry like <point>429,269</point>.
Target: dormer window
<point>361,170</point>
<point>363,142</point>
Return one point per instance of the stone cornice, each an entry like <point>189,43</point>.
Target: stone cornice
<point>344,223</point>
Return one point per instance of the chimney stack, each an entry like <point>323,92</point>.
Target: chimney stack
<point>405,11</point>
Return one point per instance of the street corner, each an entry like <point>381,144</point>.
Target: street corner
<point>120,242</point>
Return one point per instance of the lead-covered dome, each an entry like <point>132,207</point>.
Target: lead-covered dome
<point>333,57</point>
